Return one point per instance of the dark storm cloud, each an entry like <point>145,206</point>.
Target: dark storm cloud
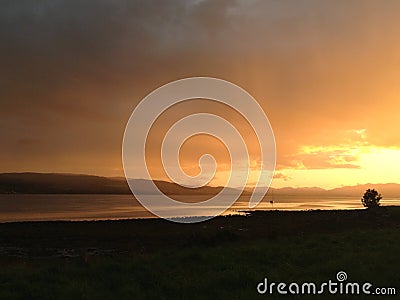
<point>52,50</point>
<point>72,70</point>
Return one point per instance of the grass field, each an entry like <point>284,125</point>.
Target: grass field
<point>223,258</point>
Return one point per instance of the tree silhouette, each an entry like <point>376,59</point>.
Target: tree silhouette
<point>371,198</point>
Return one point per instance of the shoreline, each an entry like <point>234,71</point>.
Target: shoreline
<point>238,213</point>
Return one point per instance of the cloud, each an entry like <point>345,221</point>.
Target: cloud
<point>324,159</point>
<point>343,154</point>
<point>72,72</point>
<point>282,176</point>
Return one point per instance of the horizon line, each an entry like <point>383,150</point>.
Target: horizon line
<point>167,181</point>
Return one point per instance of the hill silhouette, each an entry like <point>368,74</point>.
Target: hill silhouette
<point>55,183</point>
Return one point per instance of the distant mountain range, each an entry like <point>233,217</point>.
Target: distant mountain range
<point>54,183</point>
<point>390,190</point>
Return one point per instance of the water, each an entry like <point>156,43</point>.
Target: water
<point>101,207</point>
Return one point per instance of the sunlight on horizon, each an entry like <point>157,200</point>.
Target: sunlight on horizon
<point>351,165</point>
<point>376,165</point>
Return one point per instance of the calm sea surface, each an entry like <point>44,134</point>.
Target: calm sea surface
<point>100,207</point>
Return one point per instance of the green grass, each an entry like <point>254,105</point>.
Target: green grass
<point>205,261</point>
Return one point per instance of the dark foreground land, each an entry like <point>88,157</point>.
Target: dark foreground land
<point>223,258</point>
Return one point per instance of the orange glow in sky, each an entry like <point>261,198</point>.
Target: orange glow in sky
<point>326,73</point>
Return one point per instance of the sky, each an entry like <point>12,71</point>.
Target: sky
<point>326,73</point>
